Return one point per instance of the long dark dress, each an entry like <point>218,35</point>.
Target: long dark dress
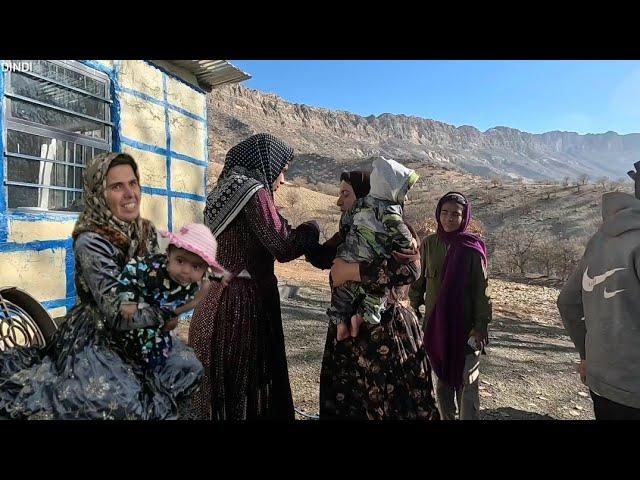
<point>382,374</point>
<point>237,331</point>
<point>84,372</point>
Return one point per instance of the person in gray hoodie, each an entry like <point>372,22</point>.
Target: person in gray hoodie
<point>600,308</point>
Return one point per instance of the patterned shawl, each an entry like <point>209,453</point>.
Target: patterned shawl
<point>132,238</point>
<point>251,165</point>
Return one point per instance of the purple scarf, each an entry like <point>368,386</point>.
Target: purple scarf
<point>446,335</point>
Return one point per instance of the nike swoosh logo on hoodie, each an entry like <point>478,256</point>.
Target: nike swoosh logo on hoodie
<point>608,295</point>
<point>588,283</point>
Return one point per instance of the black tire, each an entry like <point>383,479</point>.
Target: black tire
<point>21,302</point>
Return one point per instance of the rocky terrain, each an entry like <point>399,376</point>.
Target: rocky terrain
<point>331,139</point>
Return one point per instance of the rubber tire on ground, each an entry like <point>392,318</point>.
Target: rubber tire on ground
<point>36,311</point>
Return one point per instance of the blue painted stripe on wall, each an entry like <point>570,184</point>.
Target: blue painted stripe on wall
<point>42,216</point>
<point>195,161</point>
<point>160,151</point>
<point>116,107</point>
<point>154,191</point>
<point>160,103</point>
<point>114,90</point>
<point>69,269</point>
<point>36,246</point>
<point>167,131</point>
<point>3,204</point>
<point>188,196</point>
<point>206,149</point>
<point>186,113</point>
<point>174,194</point>
<point>144,146</point>
<point>143,96</point>
<point>174,76</point>
<point>51,304</point>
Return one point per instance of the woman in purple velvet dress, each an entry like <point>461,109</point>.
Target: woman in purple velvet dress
<point>237,331</point>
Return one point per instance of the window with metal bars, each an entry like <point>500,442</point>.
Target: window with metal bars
<point>57,118</point>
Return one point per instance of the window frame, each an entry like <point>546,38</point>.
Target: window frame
<point>32,128</point>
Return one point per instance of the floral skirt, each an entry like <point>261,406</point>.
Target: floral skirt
<point>383,374</point>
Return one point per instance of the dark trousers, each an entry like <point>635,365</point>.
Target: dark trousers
<point>606,409</point>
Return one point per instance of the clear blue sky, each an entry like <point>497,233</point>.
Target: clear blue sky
<point>532,96</point>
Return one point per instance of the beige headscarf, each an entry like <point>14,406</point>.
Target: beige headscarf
<point>132,238</point>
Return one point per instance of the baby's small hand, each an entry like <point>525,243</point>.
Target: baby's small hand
<point>128,310</point>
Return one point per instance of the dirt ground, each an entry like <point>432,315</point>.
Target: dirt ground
<point>529,372</point>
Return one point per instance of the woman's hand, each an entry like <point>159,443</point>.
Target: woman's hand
<point>170,324</point>
<point>311,226</point>
<point>128,310</point>
<point>583,371</point>
<point>342,272</point>
<point>405,256</point>
<point>482,338</point>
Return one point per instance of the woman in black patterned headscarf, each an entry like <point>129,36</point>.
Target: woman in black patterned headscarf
<point>237,331</point>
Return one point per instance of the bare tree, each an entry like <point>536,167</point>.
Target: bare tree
<point>525,204</point>
<point>291,200</point>
<point>615,186</point>
<point>489,198</point>
<point>583,179</point>
<point>567,254</point>
<point>521,181</point>
<point>603,182</point>
<point>565,181</point>
<point>543,250</point>
<point>514,246</point>
<point>550,192</point>
<point>292,197</point>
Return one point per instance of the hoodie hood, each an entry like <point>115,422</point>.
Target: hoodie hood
<point>620,213</point>
<point>391,180</point>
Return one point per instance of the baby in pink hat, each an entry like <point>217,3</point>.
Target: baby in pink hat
<point>169,281</point>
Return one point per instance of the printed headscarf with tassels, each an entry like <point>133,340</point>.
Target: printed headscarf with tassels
<point>133,238</point>
<point>249,166</point>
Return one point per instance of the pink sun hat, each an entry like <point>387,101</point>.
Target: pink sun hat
<point>196,238</point>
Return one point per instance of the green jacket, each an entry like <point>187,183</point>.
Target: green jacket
<point>424,291</point>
